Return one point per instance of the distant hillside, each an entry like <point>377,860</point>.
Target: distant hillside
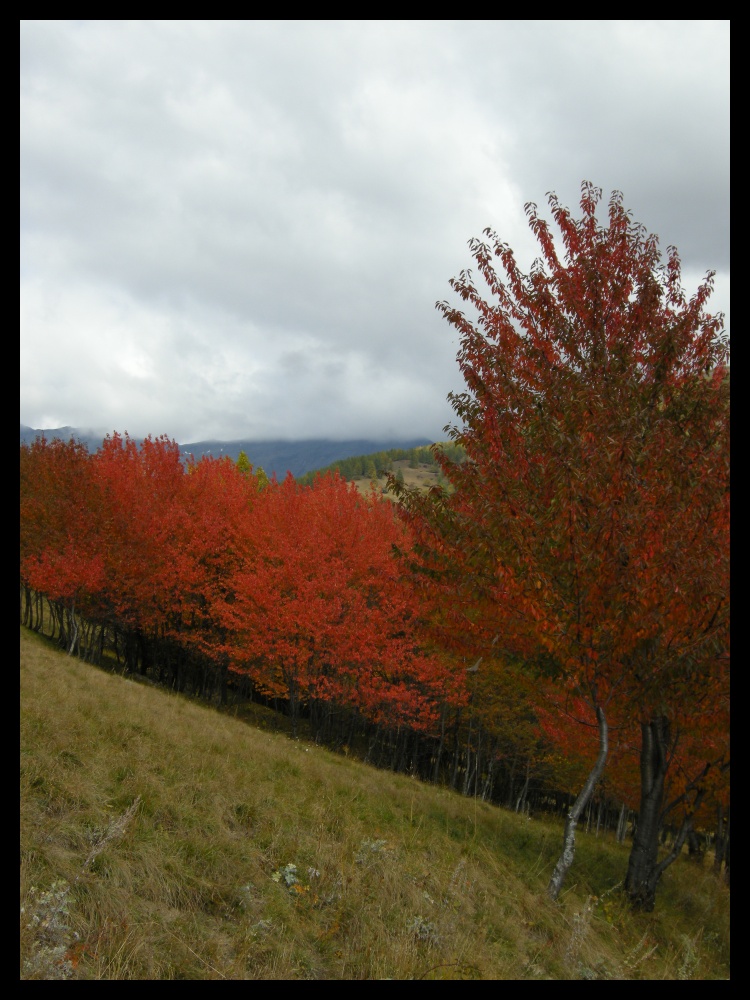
<point>91,439</point>
<point>415,467</point>
<point>274,457</point>
<point>297,457</point>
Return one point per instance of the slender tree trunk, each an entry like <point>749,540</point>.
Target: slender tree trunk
<point>487,788</point>
<point>454,775</point>
<point>51,618</point>
<point>58,623</point>
<point>643,871</point>
<point>622,825</point>
<point>467,773</point>
<point>439,752</point>
<point>695,850</point>
<point>27,607</point>
<point>293,704</point>
<point>521,800</point>
<point>478,762</point>
<point>511,777</point>
<point>569,837</point>
<point>372,745</point>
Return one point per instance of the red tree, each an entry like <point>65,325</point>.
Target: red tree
<point>316,610</point>
<point>140,536</point>
<point>60,516</point>
<point>219,510</point>
<point>587,533</point>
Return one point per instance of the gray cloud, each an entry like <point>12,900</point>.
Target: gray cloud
<point>240,228</point>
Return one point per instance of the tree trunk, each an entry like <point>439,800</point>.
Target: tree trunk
<point>467,772</point>
<point>643,871</point>
<point>569,837</point>
<point>454,775</point>
<point>478,762</point>
<point>27,607</point>
<point>292,686</point>
<point>439,752</point>
<point>509,801</point>
<point>487,789</point>
<point>371,746</point>
<point>73,625</point>
<point>695,849</point>
<point>719,841</point>
<point>622,825</point>
<point>521,800</point>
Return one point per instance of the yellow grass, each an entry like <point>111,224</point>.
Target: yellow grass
<point>157,836</point>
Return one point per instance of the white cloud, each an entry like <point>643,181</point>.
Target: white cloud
<point>240,228</point>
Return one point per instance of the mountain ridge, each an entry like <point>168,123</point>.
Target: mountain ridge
<point>276,457</point>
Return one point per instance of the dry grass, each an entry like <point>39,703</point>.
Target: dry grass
<point>422,477</point>
<point>161,839</point>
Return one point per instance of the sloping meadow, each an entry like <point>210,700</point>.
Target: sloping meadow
<point>161,839</point>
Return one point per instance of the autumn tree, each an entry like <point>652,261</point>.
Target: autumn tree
<point>587,530</point>
<point>60,551</point>
<point>219,500</point>
<point>315,610</point>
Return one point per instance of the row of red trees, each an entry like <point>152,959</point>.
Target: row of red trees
<point>294,588</point>
<point>206,577</point>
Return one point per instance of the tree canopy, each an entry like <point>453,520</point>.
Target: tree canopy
<point>588,531</point>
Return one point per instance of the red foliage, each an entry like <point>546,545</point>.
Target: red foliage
<point>60,554</point>
<point>587,534</point>
<point>138,536</point>
<point>588,528</point>
<point>316,608</point>
<point>296,587</point>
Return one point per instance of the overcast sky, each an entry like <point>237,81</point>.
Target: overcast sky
<point>239,229</point>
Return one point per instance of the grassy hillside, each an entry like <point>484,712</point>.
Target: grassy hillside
<point>416,467</point>
<point>161,839</point>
